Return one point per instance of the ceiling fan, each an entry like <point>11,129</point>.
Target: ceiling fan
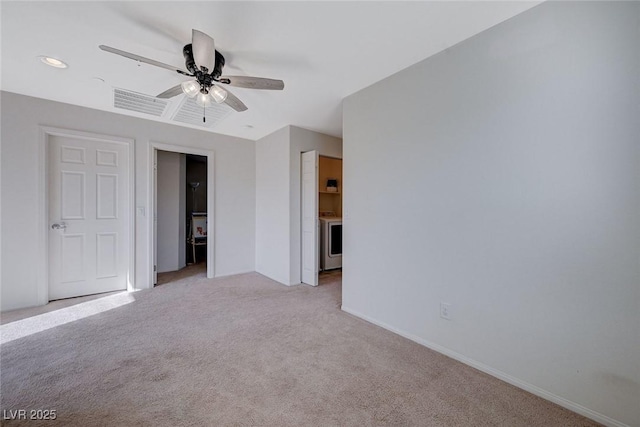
<point>205,64</point>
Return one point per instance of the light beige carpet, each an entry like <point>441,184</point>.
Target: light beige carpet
<point>245,351</point>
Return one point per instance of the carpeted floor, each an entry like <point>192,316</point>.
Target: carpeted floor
<point>243,351</point>
<point>191,272</point>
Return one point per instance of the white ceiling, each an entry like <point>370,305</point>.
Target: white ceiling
<point>324,51</point>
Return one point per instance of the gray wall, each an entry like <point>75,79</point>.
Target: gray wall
<point>278,198</point>
<point>272,206</point>
<point>502,176</point>
<point>234,214</point>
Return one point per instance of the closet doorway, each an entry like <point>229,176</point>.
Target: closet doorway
<point>182,186</point>
<point>320,215</point>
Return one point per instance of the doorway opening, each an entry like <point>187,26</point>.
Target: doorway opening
<point>330,216</point>
<point>181,215</point>
<point>182,202</point>
<point>196,209</point>
<point>321,215</point>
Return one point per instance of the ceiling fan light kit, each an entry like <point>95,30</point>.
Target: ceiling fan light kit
<point>205,64</point>
<point>218,94</point>
<point>203,97</point>
<point>203,100</point>
<point>191,88</point>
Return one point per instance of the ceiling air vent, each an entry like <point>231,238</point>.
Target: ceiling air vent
<point>192,113</point>
<point>139,102</point>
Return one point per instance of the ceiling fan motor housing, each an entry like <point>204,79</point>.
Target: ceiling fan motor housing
<point>207,78</point>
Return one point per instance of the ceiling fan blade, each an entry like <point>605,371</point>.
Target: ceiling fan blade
<point>233,102</point>
<point>142,59</point>
<point>170,93</point>
<point>253,82</point>
<point>204,51</point>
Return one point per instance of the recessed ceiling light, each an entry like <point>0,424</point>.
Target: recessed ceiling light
<point>53,62</point>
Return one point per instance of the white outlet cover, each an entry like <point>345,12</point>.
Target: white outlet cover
<point>445,310</point>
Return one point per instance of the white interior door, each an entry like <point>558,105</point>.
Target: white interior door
<point>310,218</point>
<point>88,216</point>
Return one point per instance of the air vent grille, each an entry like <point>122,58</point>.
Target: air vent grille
<point>192,113</point>
<point>139,102</point>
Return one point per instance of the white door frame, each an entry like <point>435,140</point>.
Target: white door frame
<point>316,232</point>
<point>211,218</point>
<point>43,203</point>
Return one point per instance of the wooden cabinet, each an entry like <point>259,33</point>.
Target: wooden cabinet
<point>330,169</point>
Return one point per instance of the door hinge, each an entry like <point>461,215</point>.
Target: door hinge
<point>155,268</point>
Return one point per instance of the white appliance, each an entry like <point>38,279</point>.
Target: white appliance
<point>330,243</point>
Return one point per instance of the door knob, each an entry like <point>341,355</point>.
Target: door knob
<point>59,226</point>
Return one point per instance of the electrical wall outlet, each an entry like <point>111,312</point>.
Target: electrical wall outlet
<point>445,310</point>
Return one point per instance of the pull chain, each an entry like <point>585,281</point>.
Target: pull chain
<point>204,120</point>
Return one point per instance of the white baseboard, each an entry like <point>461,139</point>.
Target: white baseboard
<point>227,274</point>
<point>272,278</point>
<point>565,403</point>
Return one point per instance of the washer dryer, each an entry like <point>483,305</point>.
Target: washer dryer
<point>330,243</point>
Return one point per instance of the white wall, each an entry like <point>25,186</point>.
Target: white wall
<point>171,211</point>
<point>234,214</point>
<point>1,222</point>
<point>502,176</point>
<point>272,206</point>
<point>278,198</point>
<point>303,140</point>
